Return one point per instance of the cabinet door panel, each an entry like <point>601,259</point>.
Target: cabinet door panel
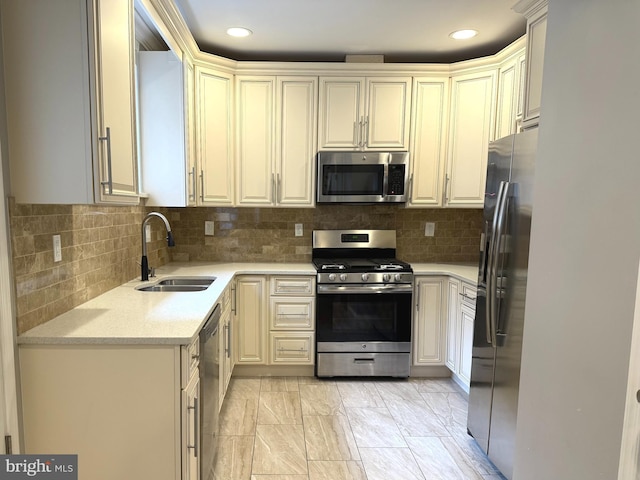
<point>251,327</point>
<point>429,140</point>
<point>292,348</point>
<point>467,316</point>
<point>114,43</point>
<point>341,109</point>
<point>428,346</point>
<point>536,37</point>
<point>472,111</point>
<point>507,100</point>
<point>453,310</point>
<point>255,130</point>
<point>388,113</point>
<point>213,137</point>
<point>297,143</point>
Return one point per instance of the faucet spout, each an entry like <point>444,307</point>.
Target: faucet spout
<point>144,264</point>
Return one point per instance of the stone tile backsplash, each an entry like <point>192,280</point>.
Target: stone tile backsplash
<point>101,244</point>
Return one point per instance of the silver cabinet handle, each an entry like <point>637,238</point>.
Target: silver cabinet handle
<point>446,188</point>
<point>192,183</point>
<point>411,187</point>
<point>227,347</point>
<point>233,299</point>
<point>301,349</point>
<point>273,187</point>
<point>278,189</point>
<point>366,131</point>
<point>109,182</point>
<point>195,427</point>
<point>361,139</point>
<point>202,185</point>
<point>467,297</point>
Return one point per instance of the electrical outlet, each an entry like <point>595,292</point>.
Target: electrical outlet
<point>147,233</point>
<point>57,248</point>
<point>299,231</point>
<point>209,228</point>
<point>429,229</point>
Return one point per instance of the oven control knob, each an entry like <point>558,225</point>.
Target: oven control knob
<point>398,277</point>
<point>365,277</point>
<point>343,277</point>
<point>332,277</point>
<point>386,277</point>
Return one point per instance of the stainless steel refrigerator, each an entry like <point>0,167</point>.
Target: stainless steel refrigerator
<point>502,283</point>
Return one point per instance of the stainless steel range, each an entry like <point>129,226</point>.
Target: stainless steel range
<point>363,304</point>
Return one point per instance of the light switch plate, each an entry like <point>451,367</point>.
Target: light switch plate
<point>209,228</point>
<point>299,230</point>
<point>57,248</point>
<point>429,229</point>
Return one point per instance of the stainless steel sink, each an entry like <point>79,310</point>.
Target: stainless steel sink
<point>178,284</point>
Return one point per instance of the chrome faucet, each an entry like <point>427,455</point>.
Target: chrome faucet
<point>145,263</point>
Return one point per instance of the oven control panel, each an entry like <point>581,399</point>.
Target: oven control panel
<point>367,277</point>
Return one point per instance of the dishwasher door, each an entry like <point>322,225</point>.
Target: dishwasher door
<point>209,388</point>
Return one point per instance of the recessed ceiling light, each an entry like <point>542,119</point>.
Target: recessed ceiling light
<point>239,32</point>
<point>463,34</point>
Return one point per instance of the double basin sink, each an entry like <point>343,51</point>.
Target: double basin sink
<point>178,284</point>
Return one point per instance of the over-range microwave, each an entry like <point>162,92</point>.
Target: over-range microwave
<point>362,177</point>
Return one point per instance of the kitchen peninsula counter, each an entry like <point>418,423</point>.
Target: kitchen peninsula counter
<point>125,315</point>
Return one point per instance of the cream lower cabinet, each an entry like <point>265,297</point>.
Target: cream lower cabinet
<point>428,321</point>
<point>292,320</point>
<point>226,345</point>
<point>127,411</point>
<point>70,101</point>
<point>251,327</point>
<point>276,140</point>
<point>460,322</point>
<point>212,175</point>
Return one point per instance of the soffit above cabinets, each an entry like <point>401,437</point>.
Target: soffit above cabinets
<point>415,31</point>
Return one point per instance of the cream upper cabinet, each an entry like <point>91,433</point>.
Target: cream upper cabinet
<point>189,92</point>
<point>471,127</point>
<point>536,13</point>
<point>276,140</point>
<point>507,106</point>
<point>428,140</point>
<point>252,321</point>
<point>428,321</point>
<point>214,175</point>
<point>364,113</point>
<point>70,101</point>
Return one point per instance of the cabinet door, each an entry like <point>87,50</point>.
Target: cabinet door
<point>507,99</point>
<point>536,37</point>
<point>214,149</point>
<point>341,112</point>
<point>190,424</point>
<point>428,341</point>
<point>467,317</point>
<point>255,134</point>
<point>453,312</point>
<point>471,128</point>
<point>428,144</point>
<point>251,326</point>
<point>190,131</point>
<point>388,113</point>
<point>296,144</point>
<point>114,64</point>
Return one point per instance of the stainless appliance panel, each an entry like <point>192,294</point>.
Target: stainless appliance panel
<point>376,347</point>
<point>363,364</point>
<point>483,352</point>
<point>514,264</point>
<point>209,394</point>
<point>345,239</point>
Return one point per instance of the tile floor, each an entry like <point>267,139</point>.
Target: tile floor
<point>303,428</point>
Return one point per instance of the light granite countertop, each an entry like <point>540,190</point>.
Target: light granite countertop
<point>125,315</point>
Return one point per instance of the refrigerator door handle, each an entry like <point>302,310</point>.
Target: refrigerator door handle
<point>490,267</point>
<point>501,210</point>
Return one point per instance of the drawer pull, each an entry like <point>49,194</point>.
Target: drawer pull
<point>301,349</point>
<point>299,315</point>
<point>364,360</point>
<point>473,299</point>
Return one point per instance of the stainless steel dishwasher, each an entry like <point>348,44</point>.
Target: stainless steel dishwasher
<point>209,391</point>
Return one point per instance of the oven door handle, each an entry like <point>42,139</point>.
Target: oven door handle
<point>364,289</point>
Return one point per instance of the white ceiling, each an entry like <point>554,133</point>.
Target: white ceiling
<point>327,30</point>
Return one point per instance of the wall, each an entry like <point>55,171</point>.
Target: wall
<point>101,244</point>
<point>585,246</point>
<point>267,234</point>
<point>100,250</point>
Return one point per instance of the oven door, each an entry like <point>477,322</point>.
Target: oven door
<point>363,318</point>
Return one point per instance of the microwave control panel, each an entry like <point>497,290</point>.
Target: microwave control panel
<point>395,185</point>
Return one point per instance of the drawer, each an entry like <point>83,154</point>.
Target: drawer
<point>190,361</point>
<point>468,294</point>
<point>292,313</point>
<point>292,348</point>
<point>293,286</point>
